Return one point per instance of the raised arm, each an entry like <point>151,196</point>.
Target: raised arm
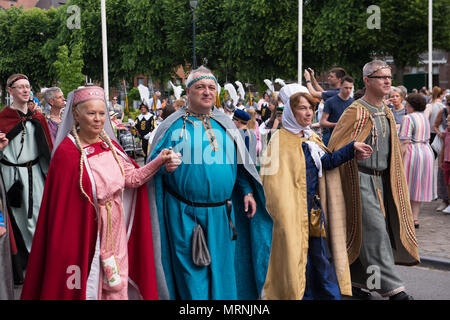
<point>136,177</point>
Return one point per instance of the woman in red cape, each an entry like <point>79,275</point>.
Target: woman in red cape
<point>93,237</point>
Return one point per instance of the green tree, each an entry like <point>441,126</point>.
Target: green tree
<point>69,68</point>
<point>146,50</point>
<point>404,32</point>
<point>23,34</point>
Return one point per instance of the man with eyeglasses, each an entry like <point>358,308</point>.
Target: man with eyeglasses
<point>380,227</point>
<point>24,163</point>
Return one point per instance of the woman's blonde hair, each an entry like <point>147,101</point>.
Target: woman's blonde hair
<point>251,124</point>
<point>108,141</point>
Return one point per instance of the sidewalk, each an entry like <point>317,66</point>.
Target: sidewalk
<point>433,236</point>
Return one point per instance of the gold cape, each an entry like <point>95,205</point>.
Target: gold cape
<point>355,124</point>
<point>283,174</point>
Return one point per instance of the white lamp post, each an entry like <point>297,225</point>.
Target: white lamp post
<point>105,50</point>
<point>300,36</point>
<point>193,4</point>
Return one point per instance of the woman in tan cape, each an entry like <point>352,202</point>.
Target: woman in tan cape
<point>293,179</point>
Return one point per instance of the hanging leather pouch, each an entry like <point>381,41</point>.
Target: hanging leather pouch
<point>200,252</point>
<point>14,194</point>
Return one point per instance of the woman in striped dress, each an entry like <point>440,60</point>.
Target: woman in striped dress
<point>417,154</point>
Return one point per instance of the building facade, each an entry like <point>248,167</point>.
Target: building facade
<point>27,4</point>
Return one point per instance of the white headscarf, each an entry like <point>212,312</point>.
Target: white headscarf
<point>67,122</point>
<point>290,123</point>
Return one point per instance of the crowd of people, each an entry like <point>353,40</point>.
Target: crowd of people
<point>292,197</point>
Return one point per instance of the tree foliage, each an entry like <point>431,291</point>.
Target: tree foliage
<point>242,40</point>
<point>69,68</point>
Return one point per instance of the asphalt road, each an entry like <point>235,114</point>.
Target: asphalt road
<point>424,283</point>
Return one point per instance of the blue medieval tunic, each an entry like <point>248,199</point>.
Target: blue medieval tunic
<point>208,176</point>
<point>321,280</point>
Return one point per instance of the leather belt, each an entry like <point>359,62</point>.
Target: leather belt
<point>27,165</point>
<point>227,202</point>
<point>371,171</point>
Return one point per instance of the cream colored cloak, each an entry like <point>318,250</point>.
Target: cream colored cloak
<point>283,173</point>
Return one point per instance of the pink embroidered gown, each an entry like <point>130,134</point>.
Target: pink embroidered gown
<point>110,183</point>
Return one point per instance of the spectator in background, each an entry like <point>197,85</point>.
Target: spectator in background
<point>396,104</point>
<point>268,109</point>
<point>254,126</point>
<point>334,81</point>
<point>155,104</point>
<point>241,119</point>
<point>334,107</point>
<point>117,108</point>
<point>440,127</point>
<point>417,154</point>
<point>168,110</point>
<point>425,93</point>
<point>433,108</point>
<point>359,93</point>
<point>54,97</point>
<point>179,103</point>
<point>145,123</point>
<point>444,161</point>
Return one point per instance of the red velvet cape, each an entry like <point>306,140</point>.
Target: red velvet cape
<point>66,234</point>
<point>9,118</point>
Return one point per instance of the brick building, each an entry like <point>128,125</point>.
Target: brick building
<point>27,4</point>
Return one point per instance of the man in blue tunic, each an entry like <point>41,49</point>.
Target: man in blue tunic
<point>216,187</point>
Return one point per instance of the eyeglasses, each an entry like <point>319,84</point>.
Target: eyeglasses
<point>22,87</point>
<point>380,77</point>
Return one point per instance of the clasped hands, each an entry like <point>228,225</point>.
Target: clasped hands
<point>362,151</point>
<point>170,159</point>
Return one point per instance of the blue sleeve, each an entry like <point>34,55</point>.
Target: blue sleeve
<point>326,107</point>
<point>2,220</point>
<point>242,181</point>
<point>339,157</point>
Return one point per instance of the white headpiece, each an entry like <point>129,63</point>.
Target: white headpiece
<point>67,117</point>
<point>290,123</point>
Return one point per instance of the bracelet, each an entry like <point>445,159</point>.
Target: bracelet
<point>249,194</point>
<point>307,81</point>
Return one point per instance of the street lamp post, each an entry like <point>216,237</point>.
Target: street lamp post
<point>430,45</point>
<point>300,38</point>
<point>193,4</point>
<point>104,49</point>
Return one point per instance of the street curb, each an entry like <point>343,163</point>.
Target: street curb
<point>433,262</point>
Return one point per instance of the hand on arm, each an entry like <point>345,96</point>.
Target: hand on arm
<point>171,159</point>
<point>135,177</point>
<point>3,141</point>
<point>362,151</point>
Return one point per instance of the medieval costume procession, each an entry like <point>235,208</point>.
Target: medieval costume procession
<point>160,154</point>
